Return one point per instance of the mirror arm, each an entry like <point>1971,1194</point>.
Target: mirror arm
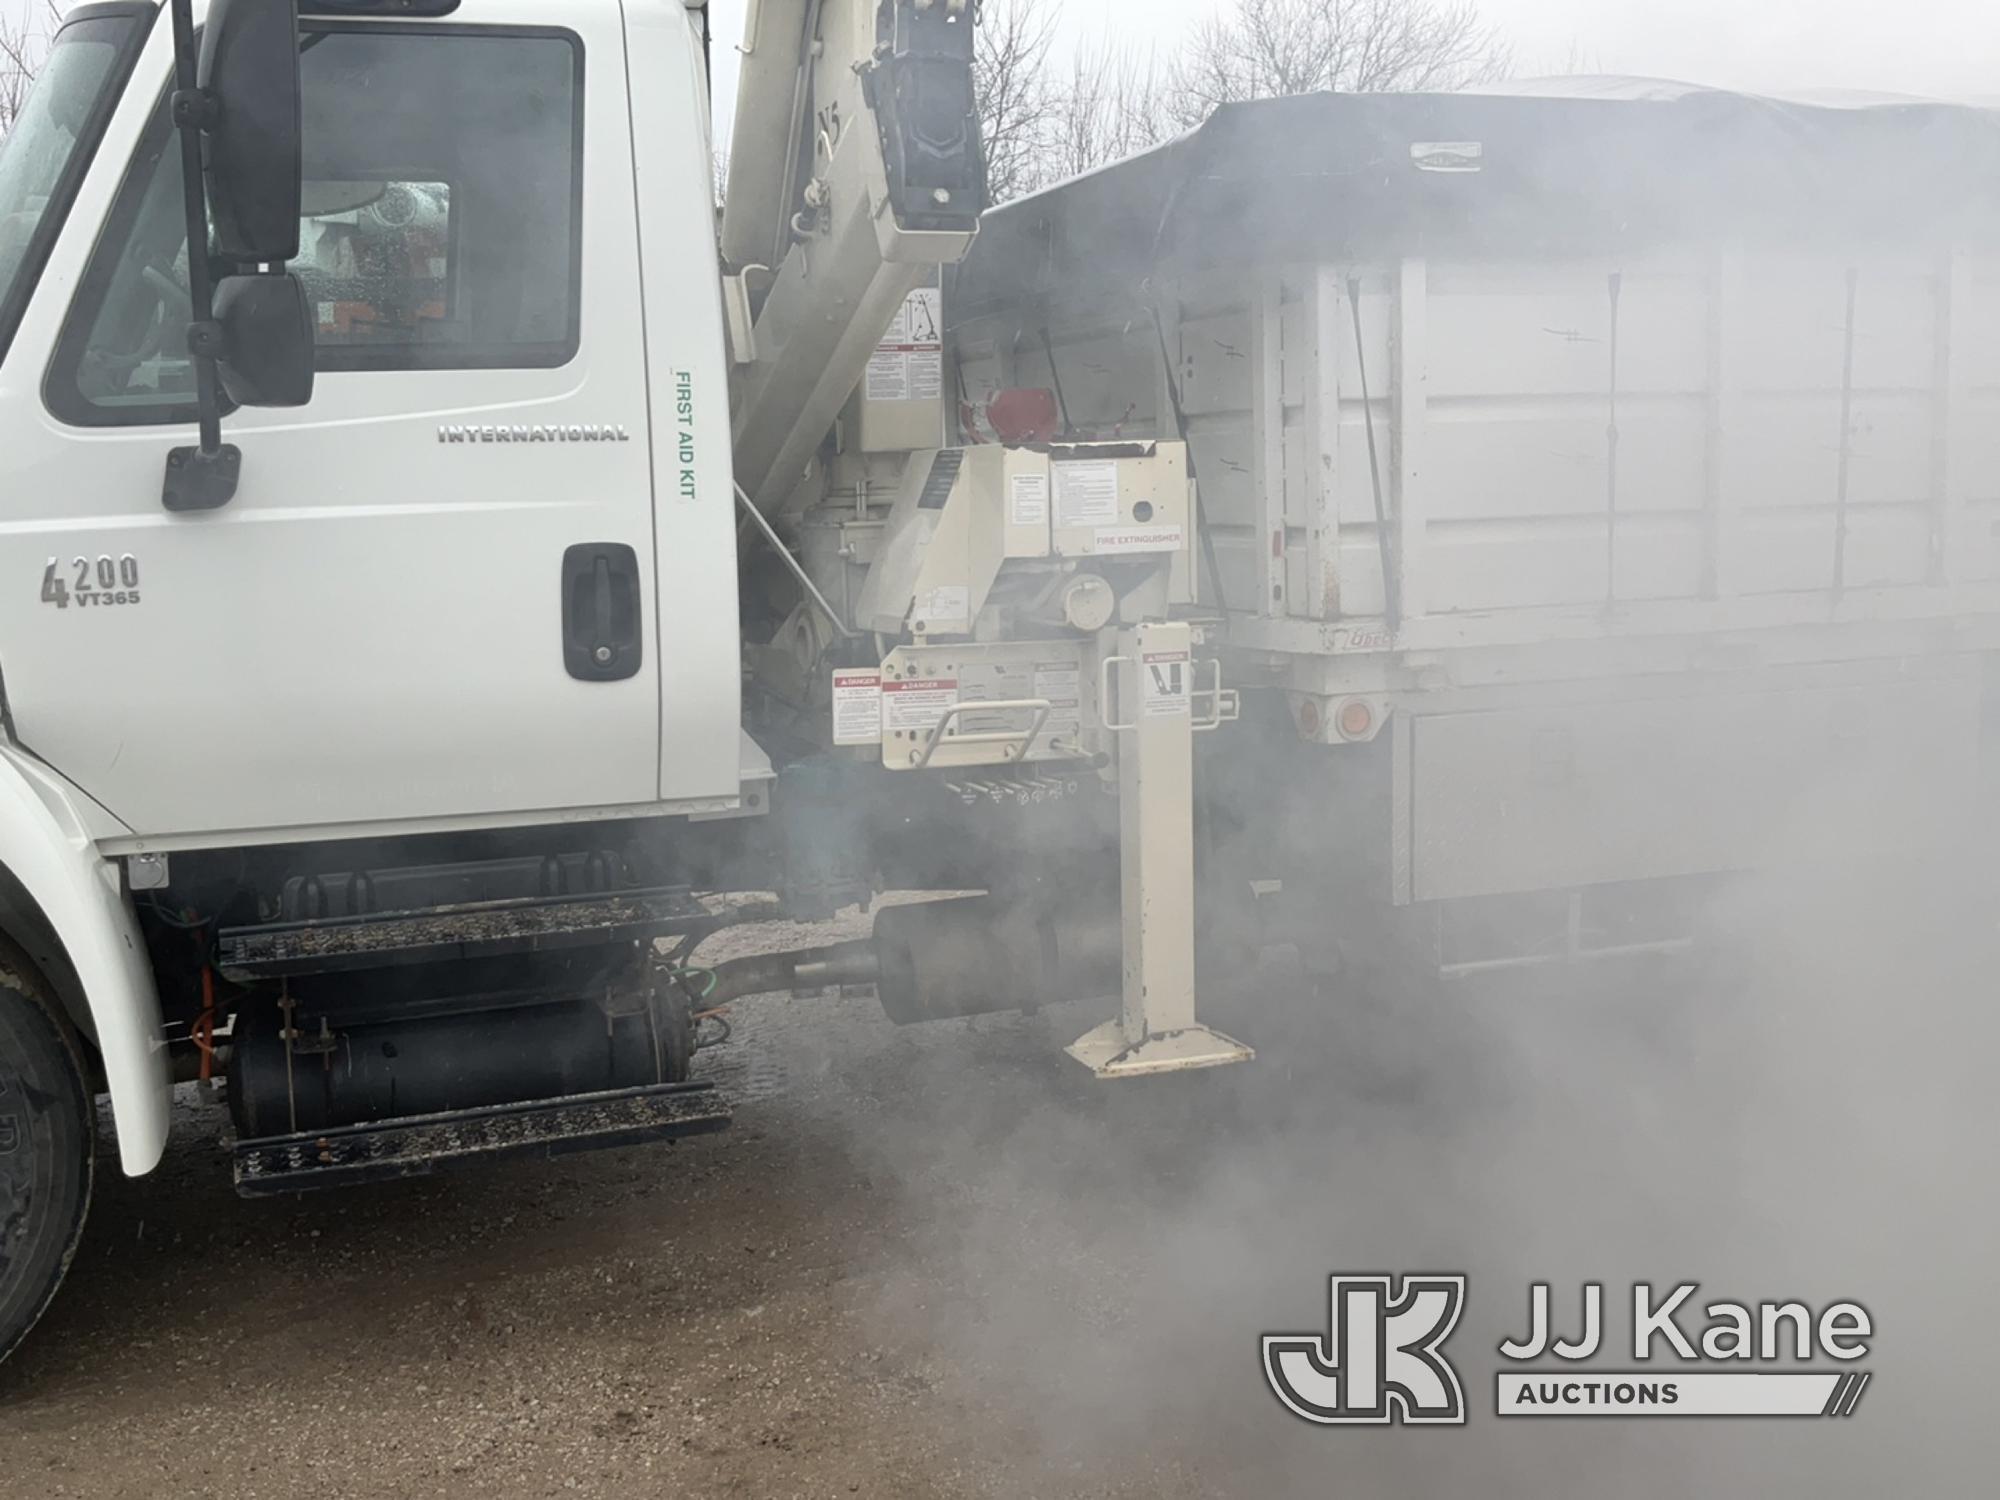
<point>204,477</point>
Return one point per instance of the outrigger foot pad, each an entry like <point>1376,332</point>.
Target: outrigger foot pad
<point>1108,1053</point>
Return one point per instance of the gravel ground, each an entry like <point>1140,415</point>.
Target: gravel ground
<point>944,1262</point>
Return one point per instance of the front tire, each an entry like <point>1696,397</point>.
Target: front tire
<point>47,1146</point>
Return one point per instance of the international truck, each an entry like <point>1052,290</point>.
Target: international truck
<point>486,569</point>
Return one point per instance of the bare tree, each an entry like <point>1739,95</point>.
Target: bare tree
<point>1047,117</point>
<point>1017,94</point>
<point>1575,62</point>
<point>1274,47</point>
<point>23,45</point>
<point>16,72</point>
<point>1115,102</point>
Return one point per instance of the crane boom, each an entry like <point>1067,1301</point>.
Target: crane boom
<point>856,171</point>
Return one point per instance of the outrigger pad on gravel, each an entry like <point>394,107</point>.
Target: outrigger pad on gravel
<point>418,1145</point>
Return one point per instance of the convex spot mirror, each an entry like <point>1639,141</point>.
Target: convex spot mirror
<point>250,70</point>
<point>266,358</point>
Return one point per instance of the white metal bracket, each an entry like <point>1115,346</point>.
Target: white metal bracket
<point>1041,708</point>
<point>1225,704</point>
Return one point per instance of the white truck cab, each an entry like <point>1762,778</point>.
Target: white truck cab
<point>519,417</point>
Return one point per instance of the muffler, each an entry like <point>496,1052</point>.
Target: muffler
<point>945,959</point>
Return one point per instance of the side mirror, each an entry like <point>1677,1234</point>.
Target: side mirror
<point>266,357</point>
<point>236,99</point>
<point>250,71</point>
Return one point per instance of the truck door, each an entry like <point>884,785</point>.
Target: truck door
<point>433,594</point>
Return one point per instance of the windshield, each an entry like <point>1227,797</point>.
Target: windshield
<point>43,156</point>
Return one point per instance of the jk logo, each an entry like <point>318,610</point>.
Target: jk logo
<point>1381,1362</point>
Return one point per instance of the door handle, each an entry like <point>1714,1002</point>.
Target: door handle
<point>601,612</point>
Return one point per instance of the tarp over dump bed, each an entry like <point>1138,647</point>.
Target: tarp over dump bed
<point>1581,167</point>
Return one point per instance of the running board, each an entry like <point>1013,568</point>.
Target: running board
<point>450,933</point>
<point>419,1145</point>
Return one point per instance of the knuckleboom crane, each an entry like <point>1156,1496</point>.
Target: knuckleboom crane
<point>1032,589</point>
<point>855,172</point>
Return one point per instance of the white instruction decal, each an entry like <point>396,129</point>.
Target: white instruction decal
<point>908,364</point>
<point>1163,686</point>
<point>1139,539</point>
<point>888,376</point>
<point>919,704</point>
<point>1061,682</point>
<point>1028,500</point>
<point>1087,493</point>
<point>857,708</point>
<point>993,682</point>
<point>1014,679</point>
<point>947,604</point>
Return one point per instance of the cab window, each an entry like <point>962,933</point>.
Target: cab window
<point>439,230</point>
<point>46,146</point>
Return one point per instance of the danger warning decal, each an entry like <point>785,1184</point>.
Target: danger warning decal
<point>1164,687</point>
<point>857,707</point>
<point>919,704</point>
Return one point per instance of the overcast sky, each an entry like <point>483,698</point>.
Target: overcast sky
<point>1942,47</point>
<point>1949,48</point>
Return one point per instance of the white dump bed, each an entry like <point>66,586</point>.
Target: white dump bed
<point>1686,366</point>
<point>1671,428</point>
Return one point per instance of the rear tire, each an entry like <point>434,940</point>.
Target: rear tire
<point>47,1146</point>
